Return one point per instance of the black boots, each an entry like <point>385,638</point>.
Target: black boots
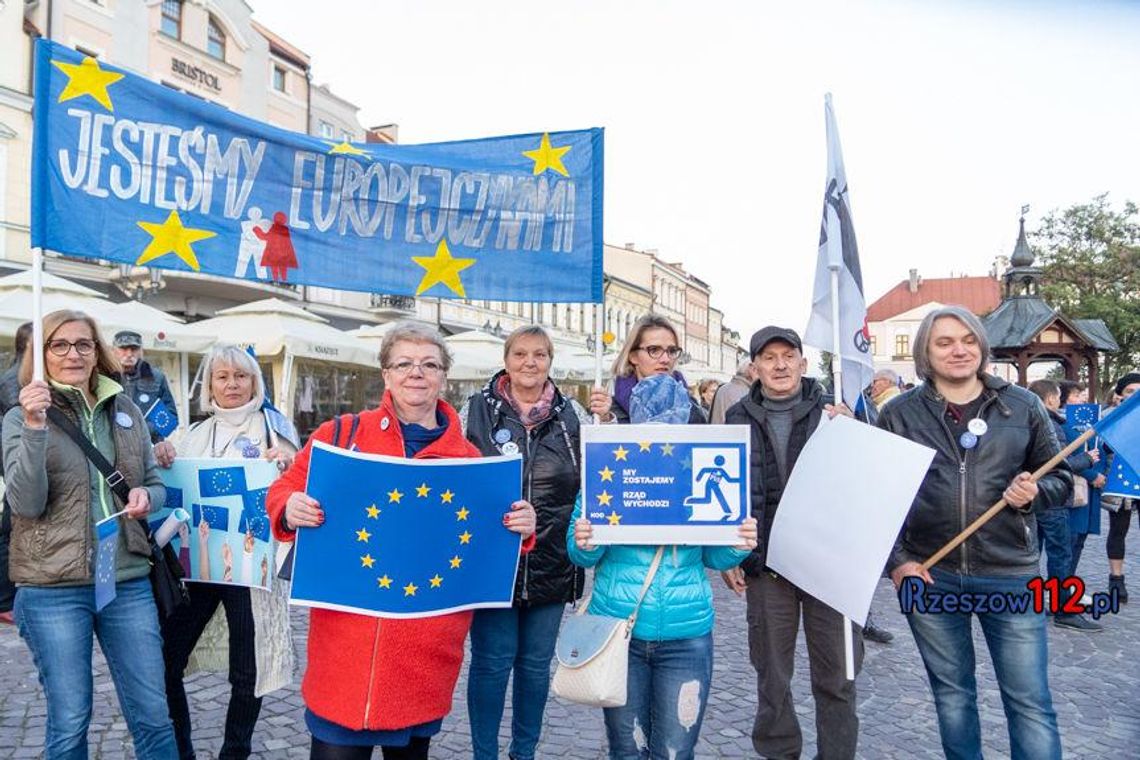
<point>1116,582</point>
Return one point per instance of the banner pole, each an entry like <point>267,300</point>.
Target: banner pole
<point>598,348</point>
<point>837,392</point>
<point>37,314</point>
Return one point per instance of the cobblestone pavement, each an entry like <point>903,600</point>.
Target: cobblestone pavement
<point>1095,681</point>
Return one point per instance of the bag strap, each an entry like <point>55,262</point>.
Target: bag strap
<point>115,480</point>
<point>585,603</point>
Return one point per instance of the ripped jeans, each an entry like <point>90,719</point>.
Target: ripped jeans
<point>668,690</point>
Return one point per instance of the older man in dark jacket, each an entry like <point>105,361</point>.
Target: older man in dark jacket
<point>988,436</point>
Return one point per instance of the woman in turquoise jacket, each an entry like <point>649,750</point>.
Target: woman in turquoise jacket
<point>671,651</point>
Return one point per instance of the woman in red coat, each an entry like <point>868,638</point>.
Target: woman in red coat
<point>373,681</point>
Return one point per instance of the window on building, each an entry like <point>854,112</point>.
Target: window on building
<point>874,346</point>
<point>902,345</point>
<point>327,130</point>
<point>172,18</point>
<point>279,78</point>
<point>215,39</point>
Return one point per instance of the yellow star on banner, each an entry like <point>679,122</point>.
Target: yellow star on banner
<point>667,449</point>
<point>172,237</point>
<point>442,268</point>
<point>645,445</point>
<point>465,538</point>
<point>366,560</point>
<point>436,581</point>
<point>456,561</point>
<point>347,148</point>
<point>86,78</point>
<point>546,156</point>
<point>394,496</point>
<point>422,490</point>
<point>619,453</point>
<point>462,513</point>
<point>607,474</point>
<point>373,512</point>
<point>604,498</point>
<point>447,496</point>
<point>411,589</point>
<point>614,518</point>
<point>384,581</point>
<point>363,535</point>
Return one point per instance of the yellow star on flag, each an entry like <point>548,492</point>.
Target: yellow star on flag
<point>456,561</point>
<point>436,581</point>
<point>645,445</point>
<point>462,513</point>
<point>422,490</point>
<point>373,512</point>
<point>384,581</point>
<point>614,518</point>
<point>87,78</point>
<point>366,560</point>
<point>604,498</point>
<point>447,496</point>
<point>411,589</point>
<point>607,474</point>
<point>620,452</point>
<point>172,237</point>
<point>667,449</point>
<point>394,496</point>
<point>546,156</point>
<point>465,538</point>
<point>347,148</point>
<point>363,535</point>
<point>442,268</point>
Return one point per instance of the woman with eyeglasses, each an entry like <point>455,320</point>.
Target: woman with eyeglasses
<point>521,411</point>
<point>652,348</point>
<point>373,681</point>
<point>56,497</point>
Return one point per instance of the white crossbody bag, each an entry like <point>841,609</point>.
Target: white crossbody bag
<point>593,652</point>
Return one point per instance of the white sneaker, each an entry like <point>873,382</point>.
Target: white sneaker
<point>1086,600</point>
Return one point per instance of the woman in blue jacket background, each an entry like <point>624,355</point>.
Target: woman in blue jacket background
<point>671,652</point>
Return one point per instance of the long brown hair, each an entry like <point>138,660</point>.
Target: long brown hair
<point>622,367</point>
<point>105,361</point>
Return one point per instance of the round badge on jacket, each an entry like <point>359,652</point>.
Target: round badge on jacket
<point>144,397</point>
<point>978,426</point>
<point>968,440</point>
<point>123,420</point>
<point>502,435</point>
<point>510,447</point>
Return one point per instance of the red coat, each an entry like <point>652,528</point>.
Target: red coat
<point>366,672</point>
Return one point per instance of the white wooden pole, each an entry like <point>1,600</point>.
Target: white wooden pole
<point>37,314</point>
<point>837,391</point>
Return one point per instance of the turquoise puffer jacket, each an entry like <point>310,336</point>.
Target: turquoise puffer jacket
<point>678,604</point>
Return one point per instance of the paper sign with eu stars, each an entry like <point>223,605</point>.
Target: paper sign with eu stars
<point>407,538</point>
<point>666,484</point>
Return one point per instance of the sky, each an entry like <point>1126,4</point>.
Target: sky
<point>952,116</point>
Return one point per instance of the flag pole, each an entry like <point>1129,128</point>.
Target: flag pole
<point>37,314</point>
<point>986,516</point>
<point>598,348</point>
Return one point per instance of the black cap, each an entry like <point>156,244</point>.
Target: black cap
<point>766,335</point>
<point>126,338</point>
<point>1129,379</point>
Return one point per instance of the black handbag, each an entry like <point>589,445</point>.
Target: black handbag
<point>165,570</point>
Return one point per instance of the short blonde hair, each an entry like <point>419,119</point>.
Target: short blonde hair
<point>528,331</point>
<point>413,332</point>
<point>105,361</point>
<point>231,356</point>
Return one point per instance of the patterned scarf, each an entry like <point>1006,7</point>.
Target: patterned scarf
<point>541,409</point>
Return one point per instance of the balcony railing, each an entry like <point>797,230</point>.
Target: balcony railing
<point>393,303</point>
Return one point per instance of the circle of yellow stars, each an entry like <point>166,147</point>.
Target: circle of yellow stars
<point>395,496</point>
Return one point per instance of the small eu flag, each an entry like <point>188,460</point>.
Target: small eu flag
<point>1120,428</point>
<point>217,518</point>
<point>107,532</point>
<point>408,537</point>
<point>1122,480</point>
<point>253,516</point>
<point>161,418</point>
<point>221,481</point>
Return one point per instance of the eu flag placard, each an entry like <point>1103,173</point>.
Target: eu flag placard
<point>221,481</point>
<point>162,419</point>
<point>1079,418</point>
<point>408,537</point>
<point>127,170</point>
<point>666,484</point>
<point>1120,429</point>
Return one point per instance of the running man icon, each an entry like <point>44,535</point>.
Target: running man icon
<point>702,509</point>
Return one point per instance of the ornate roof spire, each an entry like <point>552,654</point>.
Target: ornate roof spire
<point>1022,253</point>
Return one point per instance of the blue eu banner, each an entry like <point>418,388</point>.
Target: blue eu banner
<point>673,484</point>
<point>408,537</point>
<point>128,170</point>
<point>1079,418</point>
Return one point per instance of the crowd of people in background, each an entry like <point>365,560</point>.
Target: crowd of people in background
<point>988,435</point>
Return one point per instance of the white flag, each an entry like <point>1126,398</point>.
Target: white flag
<point>838,252</point>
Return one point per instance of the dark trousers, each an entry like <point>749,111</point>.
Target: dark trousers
<point>1054,539</point>
<point>1118,522</point>
<point>7,588</point>
<point>1078,547</point>
<point>416,749</point>
<point>180,633</point>
<point>774,610</point>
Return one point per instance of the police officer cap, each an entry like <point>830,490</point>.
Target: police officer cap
<point>127,338</point>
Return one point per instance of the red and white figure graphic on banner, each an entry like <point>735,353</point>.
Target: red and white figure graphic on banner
<point>279,256</point>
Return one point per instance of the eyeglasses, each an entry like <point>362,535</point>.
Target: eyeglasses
<point>427,369</point>
<point>60,347</point>
<point>655,351</point>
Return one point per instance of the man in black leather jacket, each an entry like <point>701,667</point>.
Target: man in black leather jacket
<point>988,436</point>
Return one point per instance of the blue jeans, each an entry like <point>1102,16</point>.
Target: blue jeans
<point>57,624</point>
<point>521,639</point>
<point>1017,646</point>
<point>668,690</point>
<point>1054,539</point>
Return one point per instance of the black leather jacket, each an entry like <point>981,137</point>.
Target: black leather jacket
<point>551,480</point>
<point>959,487</point>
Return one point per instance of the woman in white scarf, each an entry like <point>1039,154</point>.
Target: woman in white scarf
<point>242,630</point>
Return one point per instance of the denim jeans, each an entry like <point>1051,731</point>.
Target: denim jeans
<point>521,639</point>
<point>57,624</point>
<point>668,691</point>
<point>1017,646</point>
<point>1054,539</point>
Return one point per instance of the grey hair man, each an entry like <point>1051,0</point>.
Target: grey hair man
<point>732,391</point>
